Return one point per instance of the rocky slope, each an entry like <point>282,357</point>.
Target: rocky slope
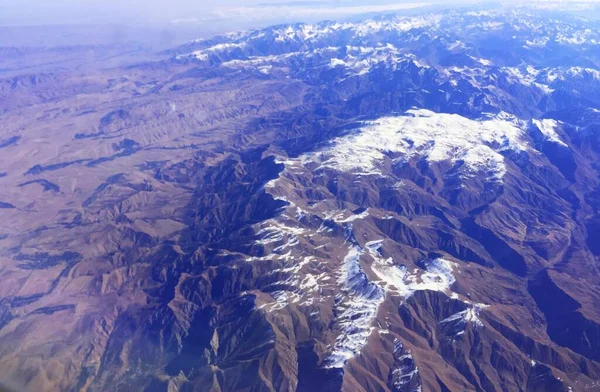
<point>396,204</point>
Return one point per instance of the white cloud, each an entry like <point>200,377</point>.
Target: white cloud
<point>299,12</point>
<point>187,11</point>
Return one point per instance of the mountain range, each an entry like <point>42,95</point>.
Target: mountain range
<point>400,203</point>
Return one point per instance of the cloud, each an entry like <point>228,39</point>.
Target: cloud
<point>288,11</point>
<point>221,14</point>
<point>564,4</point>
<point>187,11</point>
<point>305,11</point>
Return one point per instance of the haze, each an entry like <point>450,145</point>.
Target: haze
<point>160,23</point>
<point>135,12</point>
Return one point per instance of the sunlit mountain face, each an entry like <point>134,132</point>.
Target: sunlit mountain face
<point>398,203</point>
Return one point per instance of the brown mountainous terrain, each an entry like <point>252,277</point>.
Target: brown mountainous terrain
<point>396,204</point>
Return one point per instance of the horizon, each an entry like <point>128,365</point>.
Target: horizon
<point>154,12</point>
<point>234,13</point>
<point>37,23</point>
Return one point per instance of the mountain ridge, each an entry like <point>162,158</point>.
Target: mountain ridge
<point>397,204</point>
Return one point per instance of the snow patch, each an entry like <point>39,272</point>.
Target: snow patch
<point>470,315</point>
<point>437,274</point>
<point>357,312</point>
<point>339,216</point>
<point>424,134</point>
<point>404,370</point>
<point>548,128</point>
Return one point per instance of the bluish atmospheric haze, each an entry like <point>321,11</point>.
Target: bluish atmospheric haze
<point>241,12</point>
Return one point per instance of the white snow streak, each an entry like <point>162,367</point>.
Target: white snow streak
<point>548,128</point>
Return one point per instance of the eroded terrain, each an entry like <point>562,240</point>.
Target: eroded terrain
<point>397,204</point>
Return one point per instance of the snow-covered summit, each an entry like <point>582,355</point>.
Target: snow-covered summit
<point>423,134</point>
